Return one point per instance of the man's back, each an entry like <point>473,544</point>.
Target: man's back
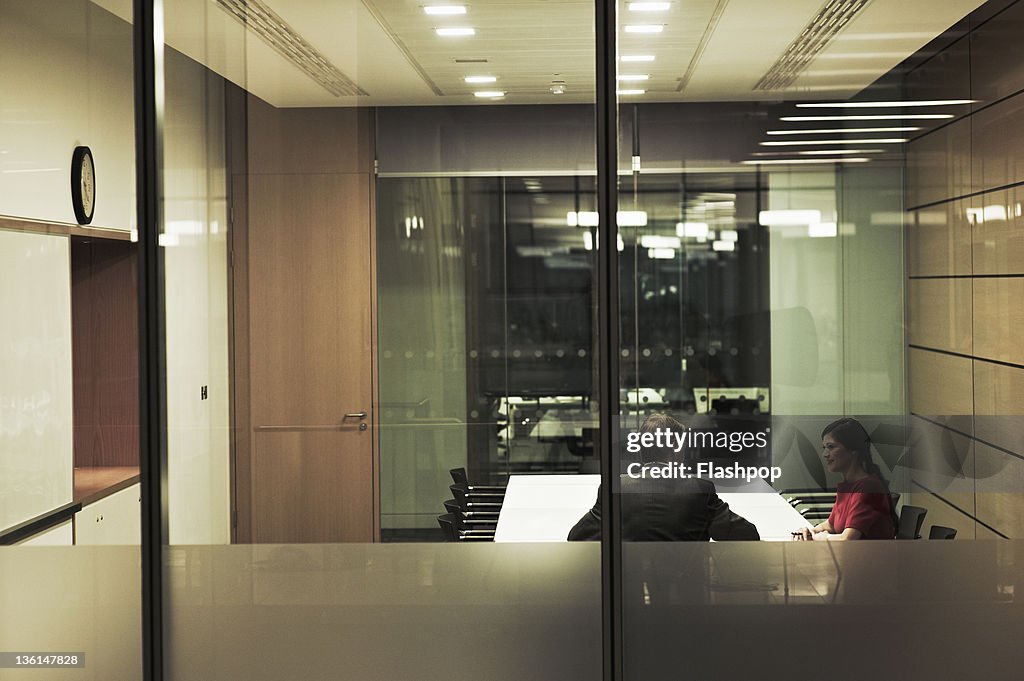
<point>655,509</point>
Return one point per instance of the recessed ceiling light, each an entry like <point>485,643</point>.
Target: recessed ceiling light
<point>459,31</point>
<point>648,6</point>
<point>634,78</point>
<point>480,79</point>
<point>796,143</point>
<point>631,92</point>
<point>723,245</point>
<point>644,28</point>
<point>788,217</point>
<point>872,105</point>
<point>829,131</point>
<point>819,152</point>
<point>893,117</point>
<point>489,94</point>
<point>789,161</point>
<point>637,57</point>
<point>445,10</point>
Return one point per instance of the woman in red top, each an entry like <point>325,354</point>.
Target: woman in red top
<point>863,508</point>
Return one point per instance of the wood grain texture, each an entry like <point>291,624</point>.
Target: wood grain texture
<point>939,240</point>
<point>998,240</point>
<point>940,385</point>
<point>999,319</point>
<point>999,405</point>
<point>105,352</point>
<point>939,314</point>
<point>310,345</point>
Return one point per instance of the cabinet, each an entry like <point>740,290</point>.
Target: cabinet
<point>114,519</point>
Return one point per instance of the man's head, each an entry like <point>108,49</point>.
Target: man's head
<point>660,423</point>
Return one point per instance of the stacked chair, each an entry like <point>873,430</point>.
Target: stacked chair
<point>472,513</point>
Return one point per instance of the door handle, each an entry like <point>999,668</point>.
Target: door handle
<point>356,415</point>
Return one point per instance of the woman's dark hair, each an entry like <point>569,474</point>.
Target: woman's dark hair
<point>852,435</point>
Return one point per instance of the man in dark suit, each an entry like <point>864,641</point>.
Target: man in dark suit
<point>659,509</point>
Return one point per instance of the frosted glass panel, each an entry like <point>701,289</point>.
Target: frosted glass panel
<point>385,611</point>
<point>917,610</point>
<point>72,599</point>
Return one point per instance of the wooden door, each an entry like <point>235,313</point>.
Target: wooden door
<point>310,338</point>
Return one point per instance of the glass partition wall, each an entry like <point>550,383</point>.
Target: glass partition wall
<point>402,289</point>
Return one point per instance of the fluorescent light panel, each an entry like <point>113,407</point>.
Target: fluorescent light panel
<point>692,230</point>
<point>788,217</point>
<point>637,57</point>
<point>624,218</point>
<point>489,94</point>
<point>633,78</point>
<point>631,92</point>
<point>723,245</point>
<point>822,230</point>
<point>661,253</point>
<point>884,105</point>
<point>871,117</point>
<point>818,152</point>
<point>829,131</point>
<point>480,79</point>
<point>648,6</point>
<point>455,31</point>
<point>795,161</point>
<point>644,28</point>
<point>444,10</point>
<point>657,241</point>
<point>796,143</point>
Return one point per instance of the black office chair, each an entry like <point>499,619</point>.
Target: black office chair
<point>447,523</point>
<point>940,532</point>
<point>452,506</point>
<point>459,477</point>
<point>911,520</point>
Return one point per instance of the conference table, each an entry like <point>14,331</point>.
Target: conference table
<point>543,508</point>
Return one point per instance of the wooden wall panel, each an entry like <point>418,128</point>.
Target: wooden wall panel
<point>939,241</point>
<point>940,384</point>
<point>999,405</point>
<point>999,319</point>
<point>998,238</point>
<point>939,313</point>
<point>999,490</point>
<point>941,513</point>
<point>998,144</point>
<point>105,352</point>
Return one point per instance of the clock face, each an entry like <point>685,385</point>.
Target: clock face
<point>83,184</point>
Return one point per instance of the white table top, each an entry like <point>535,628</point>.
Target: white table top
<point>543,508</point>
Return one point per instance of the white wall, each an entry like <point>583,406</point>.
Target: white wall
<point>35,376</point>
<point>66,79</point>
<point>196,220</point>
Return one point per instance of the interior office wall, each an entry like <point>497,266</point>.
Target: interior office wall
<point>196,292</point>
<point>965,255</point>
<point>66,82</point>
<point>36,456</point>
<point>66,73</point>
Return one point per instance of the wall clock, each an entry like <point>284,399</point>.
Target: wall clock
<point>83,184</point>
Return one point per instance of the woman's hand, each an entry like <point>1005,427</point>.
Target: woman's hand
<point>803,534</point>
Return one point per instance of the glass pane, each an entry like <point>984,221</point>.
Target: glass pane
<point>811,202</point>
<point>372,279</point>
<point>69,439</point>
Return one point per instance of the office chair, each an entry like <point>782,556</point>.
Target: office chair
<point>452,506</point>
<point>911,520</point>
<point>459,477</point>
<point>940,532</point>
<point>447,523</point>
